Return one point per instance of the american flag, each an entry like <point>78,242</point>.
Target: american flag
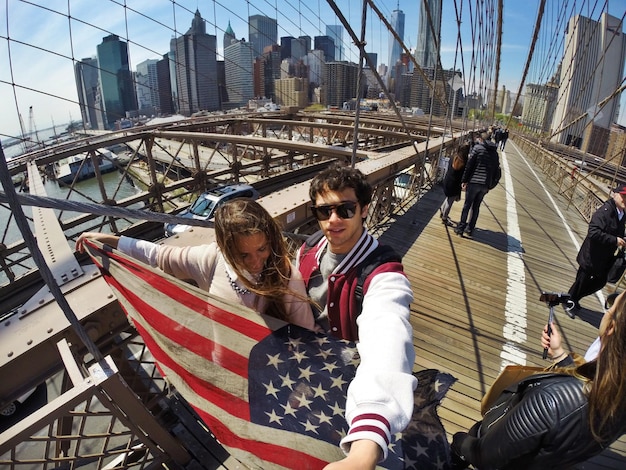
<point>273,394</point>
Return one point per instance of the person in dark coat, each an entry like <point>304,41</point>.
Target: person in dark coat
<point>452,181</point>
<point>559,418</point>
<point>602,245</point>
<point>481,168</point>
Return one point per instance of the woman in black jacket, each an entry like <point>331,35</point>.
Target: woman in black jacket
<point>452,181</point>
<point>556,419</point>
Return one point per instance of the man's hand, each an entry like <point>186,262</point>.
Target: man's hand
<point>364,455</point>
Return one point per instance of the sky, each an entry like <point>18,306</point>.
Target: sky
<point>38,41</point>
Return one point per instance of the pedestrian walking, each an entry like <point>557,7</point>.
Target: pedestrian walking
<point>601,247</point>
<point>452,181</point>
<point>481,174</point>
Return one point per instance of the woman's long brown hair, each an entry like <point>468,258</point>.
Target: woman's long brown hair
<point>607,390</point>
<point>460,157</point>
<point>242,217</point>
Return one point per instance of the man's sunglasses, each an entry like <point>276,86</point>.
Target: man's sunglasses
<point>345,210</point>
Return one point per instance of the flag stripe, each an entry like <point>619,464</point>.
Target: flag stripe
<point>203,346</point>
<point>184,297</point>
<point>187,338</point>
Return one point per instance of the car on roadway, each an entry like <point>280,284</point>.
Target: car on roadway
<point>11,408</point>
<point>203,208</point>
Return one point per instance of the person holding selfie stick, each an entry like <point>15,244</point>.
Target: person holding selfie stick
<point>380,397</point>
<point>559,418</point>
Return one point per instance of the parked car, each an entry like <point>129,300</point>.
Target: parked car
<point>203,208</point>
<point>12,407</point>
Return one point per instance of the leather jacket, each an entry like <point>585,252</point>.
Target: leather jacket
<point>538,423</point>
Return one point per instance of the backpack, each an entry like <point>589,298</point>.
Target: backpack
<point>495,178</point>
<point>381,255</point>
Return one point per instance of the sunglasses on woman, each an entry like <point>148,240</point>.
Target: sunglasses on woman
<point>345,210</point>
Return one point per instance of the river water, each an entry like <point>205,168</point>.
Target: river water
<point>86,191</point>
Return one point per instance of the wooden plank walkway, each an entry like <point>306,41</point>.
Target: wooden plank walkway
<point>476,301</point>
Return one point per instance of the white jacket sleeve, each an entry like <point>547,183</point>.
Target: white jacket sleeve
<point>380,398</point>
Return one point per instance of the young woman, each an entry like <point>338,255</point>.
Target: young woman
<point>452,181</point>
<point>248,264</point>
<point>559,418</point>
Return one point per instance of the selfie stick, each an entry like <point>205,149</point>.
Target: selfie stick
<point>550,320</point>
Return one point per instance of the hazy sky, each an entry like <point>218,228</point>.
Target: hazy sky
<point>43,41</point>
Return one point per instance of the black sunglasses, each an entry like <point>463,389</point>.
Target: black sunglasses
<point>345,210</point>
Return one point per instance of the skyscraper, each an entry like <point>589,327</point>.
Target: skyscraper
<point>397,23</point>
<point>229,36</point>
<point>339,85</point>
<point>326,44</point>
<point>591,70</point>
<point>238,60</point>
<point>426,51</point>
<point>335,32</point>
<point>262,32</point>
<point>196,69</point>
<point>166,105</point>
<point>86,73</point>
<point>115,79</point>
<point>147,84</point>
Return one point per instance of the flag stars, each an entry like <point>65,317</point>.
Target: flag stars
<point>303,401</point>
<point>287,382</point>
<point>274,418</point>
<point>325,353</point>
<point>294,343</point>
<point>323,418</point>
<point>330,366</point>
<point>337,409</point>
<point>319,391</point>
<point>419,450</point>
<point>299,356</point>
<point>289,410</point>
<point>320,340</point>
<point>274,360</point>
<point>305,373</point>
<point>338,382</point>
<point>271,390</point>
<point>310,427</point>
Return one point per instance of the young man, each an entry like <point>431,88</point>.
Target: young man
<point>380,398</point>
<point>479,174</point>
<point>597,254</point>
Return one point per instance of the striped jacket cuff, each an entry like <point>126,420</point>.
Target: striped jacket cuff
<point>372,427</point>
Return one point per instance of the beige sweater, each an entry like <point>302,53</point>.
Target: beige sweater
<point>206,266</point>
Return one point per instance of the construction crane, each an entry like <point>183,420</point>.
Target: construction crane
<point>32,127</point>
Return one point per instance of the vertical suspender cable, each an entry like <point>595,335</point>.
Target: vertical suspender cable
<point>359,78</point>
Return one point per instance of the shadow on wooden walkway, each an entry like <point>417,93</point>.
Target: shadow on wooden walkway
<point>476,301</point>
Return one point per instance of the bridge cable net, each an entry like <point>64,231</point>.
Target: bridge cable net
<point>481,77</point>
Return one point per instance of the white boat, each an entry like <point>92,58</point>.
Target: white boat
<point>73,169</point>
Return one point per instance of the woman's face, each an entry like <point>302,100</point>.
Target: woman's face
<point>253,251</point>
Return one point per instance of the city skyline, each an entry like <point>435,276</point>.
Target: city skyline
<point>57,99</point>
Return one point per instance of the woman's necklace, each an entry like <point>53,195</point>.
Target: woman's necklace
<point>233,284</point>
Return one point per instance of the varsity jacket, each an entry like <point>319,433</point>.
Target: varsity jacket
<point>380,397</point>
<point>536,424</point>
